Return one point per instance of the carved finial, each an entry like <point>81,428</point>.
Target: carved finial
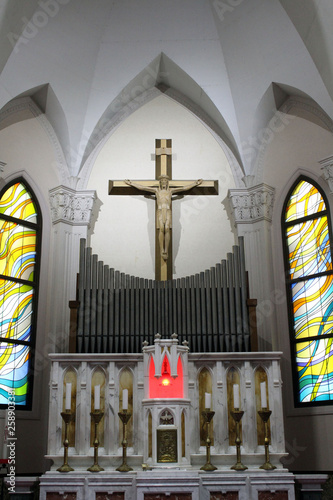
<point>174,336</point>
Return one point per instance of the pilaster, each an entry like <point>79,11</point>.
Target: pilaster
<point>252,209</point>
<point>2,168</point>
<point>71,213</point>
<point>327,168</point>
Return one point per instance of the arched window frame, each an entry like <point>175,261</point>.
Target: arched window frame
<point>34,284</point>
<point>290,282</point>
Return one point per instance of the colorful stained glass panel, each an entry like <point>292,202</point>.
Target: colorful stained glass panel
<point>14,368</point>
<point>17,250</point>
<point>15,310</point>
<point>17,202</point>
<point>313,307</point>
<point>305,200</point>
<point>309,248</point>
<point>314,362</point>
<point>18,244</point>
<point>309,255</point>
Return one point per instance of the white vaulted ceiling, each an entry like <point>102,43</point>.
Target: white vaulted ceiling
<point>232,63</point>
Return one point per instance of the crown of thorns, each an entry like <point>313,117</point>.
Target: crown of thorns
<point>163,176</point>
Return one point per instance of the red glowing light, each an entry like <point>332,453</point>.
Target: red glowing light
<point>166,386</point>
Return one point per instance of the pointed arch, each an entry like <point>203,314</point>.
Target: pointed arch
<point>161,76</point>
<point>205,385</point>
<point>166,385</point>
<point>20,252</point>
<point>306,230</point>
<point>42,103</point>
<point>261,377</point>
<point>70,376</point>
<point>97,402</point>
<point>280,105</point>
<point>233,376</point>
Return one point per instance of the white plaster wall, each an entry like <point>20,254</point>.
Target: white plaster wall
<point>88,52</point>
<point>294,151</point>
<point>24,146</point>
<point>300,145</point>
<point>124,234</point>
<point>27,151</point>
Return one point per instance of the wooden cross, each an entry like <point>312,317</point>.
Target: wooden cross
<point>163,187</point>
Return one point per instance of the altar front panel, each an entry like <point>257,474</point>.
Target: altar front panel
<point>146,412</point>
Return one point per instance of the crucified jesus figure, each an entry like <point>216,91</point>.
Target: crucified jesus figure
<point>163,195</point>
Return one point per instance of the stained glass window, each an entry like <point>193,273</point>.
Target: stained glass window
<point>20,222</point>
<point>306,227</point>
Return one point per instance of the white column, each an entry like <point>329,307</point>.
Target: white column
<point>248,406</point>
<point>83,409</point>
<point>252,209</point>
<point>71,213</point>
<point>219,402</point>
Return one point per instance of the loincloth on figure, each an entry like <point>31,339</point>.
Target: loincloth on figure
<point>163,215</point>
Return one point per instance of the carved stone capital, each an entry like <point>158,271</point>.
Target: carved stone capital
<point>70,206</point>
<point>252,204</point>
<point>327,168</point>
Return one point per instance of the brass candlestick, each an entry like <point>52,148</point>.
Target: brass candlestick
<point>237,416</point>
<point>97,416</point>
<point>264,415</point>
<point>67,416</point>
<point>124,417</point>
<point>208,416</point>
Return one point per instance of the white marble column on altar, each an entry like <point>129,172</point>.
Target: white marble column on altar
<point>252,209</point>
<point>71,213</point>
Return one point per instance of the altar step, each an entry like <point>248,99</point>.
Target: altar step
<point>168,484</point>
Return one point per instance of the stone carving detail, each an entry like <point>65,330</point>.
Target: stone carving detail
<point>50,495</point>
<point>252,204</point>
<point>170,496</point>
<point>167,445</point>
<point>109,496</point>
<point>70,206</point>
<point>327,168</point>
<point>166,418</point>
<point>229,495</point>
<point>270,495</point>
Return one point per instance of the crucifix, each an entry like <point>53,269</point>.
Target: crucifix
<point>163,188</point>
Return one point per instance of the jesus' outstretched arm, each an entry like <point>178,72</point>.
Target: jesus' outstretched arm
<point>186,188</point>
<point>137,185</point>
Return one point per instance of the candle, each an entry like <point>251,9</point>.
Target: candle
<point>263,395</point>
<point>97,399</point>
<point>68,396</point>
<point>125,399</point>
<point>208,400</point>
<point>236,396</point>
